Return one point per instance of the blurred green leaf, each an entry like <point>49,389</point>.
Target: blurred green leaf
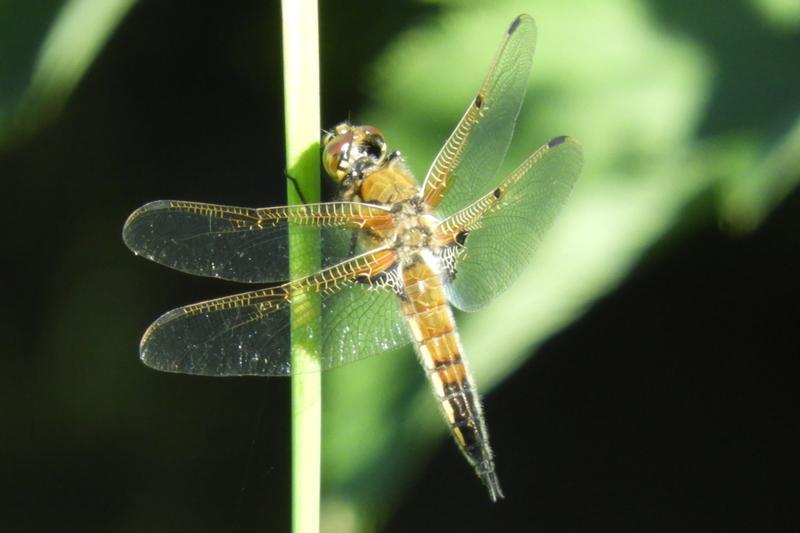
<point>781,14</point>
<point>635,95</point>
<point>760,183</point>
<point>47,47</point>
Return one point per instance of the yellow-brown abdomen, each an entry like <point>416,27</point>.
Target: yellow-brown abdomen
<point>430,320</point>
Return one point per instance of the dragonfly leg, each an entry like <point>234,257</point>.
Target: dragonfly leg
<point>296,185</point>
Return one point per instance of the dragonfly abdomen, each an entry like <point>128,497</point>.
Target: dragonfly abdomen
<point>430,320</point>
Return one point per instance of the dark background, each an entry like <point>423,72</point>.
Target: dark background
<point>669,406</point>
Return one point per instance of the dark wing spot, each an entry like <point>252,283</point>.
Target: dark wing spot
<point>555,141</point>
<point>388,279</point>
<point>497,193</point>
<point>461,238</point>
<point>514,25</point>
<point>478,101</point>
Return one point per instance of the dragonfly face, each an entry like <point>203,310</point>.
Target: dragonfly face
<point>395,255</point>
<point>356,157</point>
<point>349,152</point>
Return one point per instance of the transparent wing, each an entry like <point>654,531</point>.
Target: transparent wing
<point>248,334</point>
<point>244,244</point>
<point>467,165</point>
<point>493,238</point>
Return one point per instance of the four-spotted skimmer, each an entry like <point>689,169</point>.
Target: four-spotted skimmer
<point>394,256</point>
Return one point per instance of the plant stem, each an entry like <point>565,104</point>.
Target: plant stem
<point>301,97</point>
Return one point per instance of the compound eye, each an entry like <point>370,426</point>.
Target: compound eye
<point>349,147</point>
<point>373,143</point>
<point>335,156</point>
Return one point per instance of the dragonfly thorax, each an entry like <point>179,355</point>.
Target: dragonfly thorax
<point>413,230</point>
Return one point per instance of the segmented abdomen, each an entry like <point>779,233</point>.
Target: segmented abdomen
<point>431,322</point>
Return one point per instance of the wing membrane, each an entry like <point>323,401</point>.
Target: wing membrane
<point>248,334</point>
<point>244,244</point>
<point>467,163</point>
<point>500,230</point>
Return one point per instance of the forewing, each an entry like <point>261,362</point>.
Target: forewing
<point>467,165</point>
<point>246,244</point>
<point>249,334</point>
<point>500,231</point>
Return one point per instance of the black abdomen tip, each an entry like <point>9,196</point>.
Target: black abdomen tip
<point>493,485</point>
<point>555,141</point>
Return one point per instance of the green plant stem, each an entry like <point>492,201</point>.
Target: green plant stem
<point>301,96</point>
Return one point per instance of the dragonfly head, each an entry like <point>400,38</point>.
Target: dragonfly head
<point>350,152</point>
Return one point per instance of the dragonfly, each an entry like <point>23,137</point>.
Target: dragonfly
<point>393,257</point>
